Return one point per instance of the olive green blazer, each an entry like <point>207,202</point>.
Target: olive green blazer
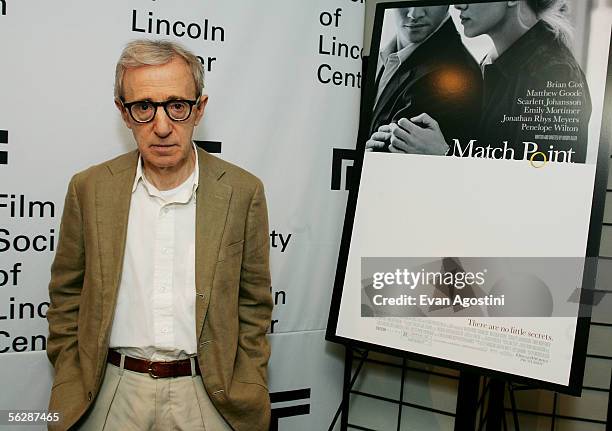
<point>233,301</point>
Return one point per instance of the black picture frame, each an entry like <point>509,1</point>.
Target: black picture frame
<point>579,354</point>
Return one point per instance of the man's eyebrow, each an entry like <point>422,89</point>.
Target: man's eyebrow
<point>167,99</point>
<point>146,99</point>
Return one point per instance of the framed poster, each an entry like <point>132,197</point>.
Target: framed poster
<point>473,222</point>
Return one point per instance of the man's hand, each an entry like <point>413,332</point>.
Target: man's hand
<point>380,139</point>
<point>419,135</point>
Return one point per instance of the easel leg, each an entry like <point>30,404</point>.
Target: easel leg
<point>401,398</point>
<point>467,401</point>
<point>343,408</point>
<point>609,417</point>
<point>346,393</point>
<point>495,414</point>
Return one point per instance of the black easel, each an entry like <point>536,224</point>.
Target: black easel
<point>347,386</point>
<point>469,399</point>
<point>480,400</point>
<point>495,415</point>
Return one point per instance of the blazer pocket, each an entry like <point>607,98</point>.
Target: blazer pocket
<point>230,250</point>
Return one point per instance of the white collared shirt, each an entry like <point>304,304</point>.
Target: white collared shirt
<point>155,313</point>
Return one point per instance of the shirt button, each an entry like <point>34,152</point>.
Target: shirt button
<point>89,396</point>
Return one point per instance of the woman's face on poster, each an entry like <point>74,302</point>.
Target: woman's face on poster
<point>481,18</point>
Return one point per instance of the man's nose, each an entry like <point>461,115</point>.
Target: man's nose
<point>162,124</point>
<point>415,12</point>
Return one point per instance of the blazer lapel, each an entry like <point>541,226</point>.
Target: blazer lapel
<point>396,84</point>
<point>212,206</point>
<point>113,197</point>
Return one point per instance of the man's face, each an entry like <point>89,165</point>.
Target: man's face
<point>415,24</point>
<point>163,143</point>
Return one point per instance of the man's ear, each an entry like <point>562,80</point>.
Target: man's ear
<point>199,108</point>
<point>124,114</point>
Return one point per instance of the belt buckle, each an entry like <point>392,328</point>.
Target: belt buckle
<point>151,372</point>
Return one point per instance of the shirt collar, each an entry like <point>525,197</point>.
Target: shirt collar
<point>152,190</point>
<point>392,49</point>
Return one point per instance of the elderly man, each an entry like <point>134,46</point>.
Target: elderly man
<point>160,287</point>
<point>425,71</point>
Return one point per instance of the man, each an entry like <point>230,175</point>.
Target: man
<point>425,72</point>
<point>163,258</point>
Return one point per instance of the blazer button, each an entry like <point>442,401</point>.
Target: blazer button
<point>89,396</point>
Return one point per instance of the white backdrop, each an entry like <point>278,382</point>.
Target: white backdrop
<point>269,109</point>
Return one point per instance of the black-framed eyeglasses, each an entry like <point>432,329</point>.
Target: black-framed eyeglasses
<point>143,111</point>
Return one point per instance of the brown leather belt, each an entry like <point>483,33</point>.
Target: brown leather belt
<point>154,369</point>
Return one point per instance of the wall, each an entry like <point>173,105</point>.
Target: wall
<point>279,105</point>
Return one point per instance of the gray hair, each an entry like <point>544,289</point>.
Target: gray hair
<point>143,52</point>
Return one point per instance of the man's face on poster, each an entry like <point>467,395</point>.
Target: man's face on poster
<point>415,24</point>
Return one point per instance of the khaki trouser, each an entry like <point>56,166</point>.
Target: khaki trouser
<point>134,401</point>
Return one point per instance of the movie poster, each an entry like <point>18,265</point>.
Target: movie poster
<point>466,238</point>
